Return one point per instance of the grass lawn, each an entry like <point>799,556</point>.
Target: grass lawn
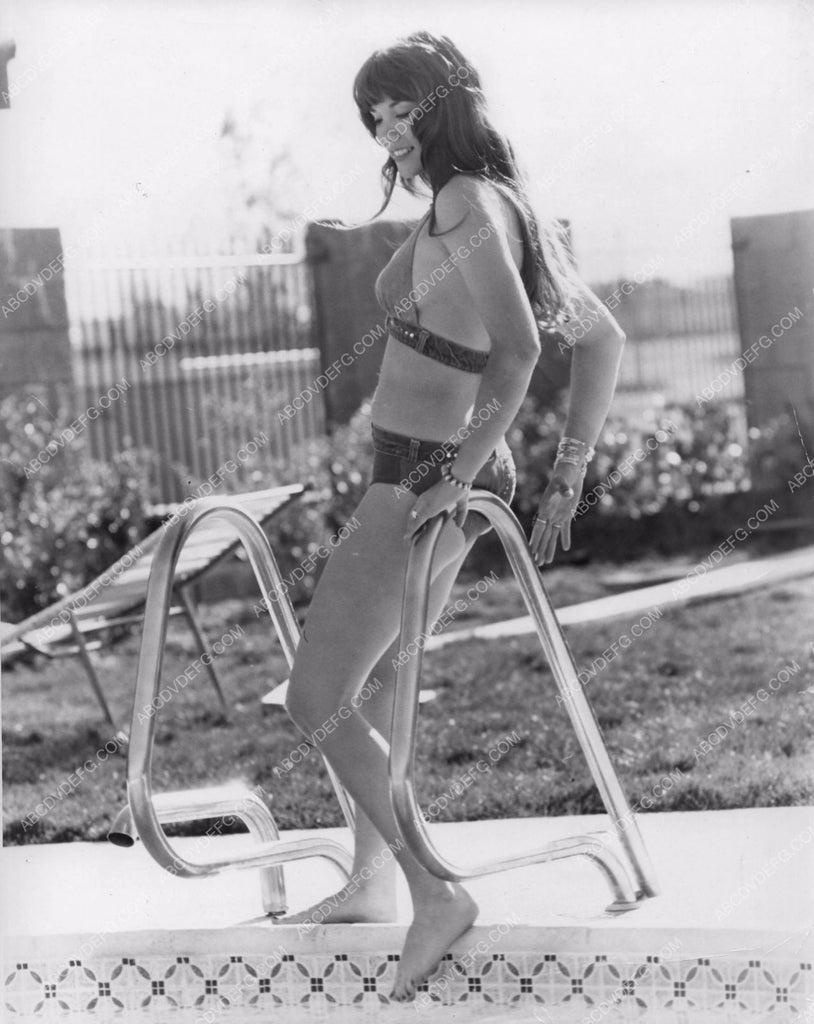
<point>656,702</point>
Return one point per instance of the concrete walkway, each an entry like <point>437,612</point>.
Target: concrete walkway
<point>701,583</point>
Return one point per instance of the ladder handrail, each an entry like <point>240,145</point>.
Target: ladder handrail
<point>405,709</point>
<point>148,681</point>
<point>627,890</point>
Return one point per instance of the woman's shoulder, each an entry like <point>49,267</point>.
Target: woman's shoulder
<point>472,194</point>
<point>465,189</point>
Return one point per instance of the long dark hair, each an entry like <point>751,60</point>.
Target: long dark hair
<point>457,137</point>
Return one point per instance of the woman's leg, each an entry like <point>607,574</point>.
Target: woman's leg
<point>373,897</point>
<point>352,620</point>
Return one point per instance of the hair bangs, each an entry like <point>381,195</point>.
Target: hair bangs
<point>396,74</point>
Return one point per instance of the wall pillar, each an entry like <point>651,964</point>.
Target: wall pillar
<point>774,278</point>
<point>345,265</point>
<point>34,340</point>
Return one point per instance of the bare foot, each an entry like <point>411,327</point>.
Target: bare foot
<point>437,922</point>
<point>353,904</point>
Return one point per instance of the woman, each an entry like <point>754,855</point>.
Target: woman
<point>454,373</point>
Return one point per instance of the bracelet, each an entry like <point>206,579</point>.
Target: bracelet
<point>447,474</point>
<point>582,468</point>
<point>575,452</point>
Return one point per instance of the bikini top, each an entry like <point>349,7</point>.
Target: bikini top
<point>394,287</point>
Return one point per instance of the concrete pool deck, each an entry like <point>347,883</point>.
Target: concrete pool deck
<point>734,920</point>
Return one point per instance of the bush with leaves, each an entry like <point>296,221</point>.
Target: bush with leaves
<point>783,446</point>
<point>338,468</point>
<point>680,454</point>
<point>66,521</point>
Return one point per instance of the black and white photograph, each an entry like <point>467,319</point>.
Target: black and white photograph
<point>407,511</point>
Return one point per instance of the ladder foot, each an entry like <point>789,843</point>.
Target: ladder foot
<point>624,906</point>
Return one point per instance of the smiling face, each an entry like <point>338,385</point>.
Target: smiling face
<point>393,121</point>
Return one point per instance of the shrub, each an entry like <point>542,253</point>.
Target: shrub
<point>781,447</point>
<point>351,463</point>
<point>65,521</point>
<point>681,478</point>
<point>680,454</point>
<point>337,467</point>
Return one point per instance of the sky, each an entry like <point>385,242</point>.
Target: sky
<point>630,118</point>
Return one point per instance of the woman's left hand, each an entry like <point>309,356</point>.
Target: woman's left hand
<point>552,521</point>
<point>435,500</point>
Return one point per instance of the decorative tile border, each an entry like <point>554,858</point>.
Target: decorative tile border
<point>548,987</point>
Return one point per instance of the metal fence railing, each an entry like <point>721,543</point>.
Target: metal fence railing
<point>211,349</point>
<point>214,347</point>
<point>679,336</point>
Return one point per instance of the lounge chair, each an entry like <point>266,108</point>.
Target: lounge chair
<point>117,596</point>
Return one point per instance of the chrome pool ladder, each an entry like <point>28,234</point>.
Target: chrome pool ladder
<point>621,855</point>
<point>144,813</point>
